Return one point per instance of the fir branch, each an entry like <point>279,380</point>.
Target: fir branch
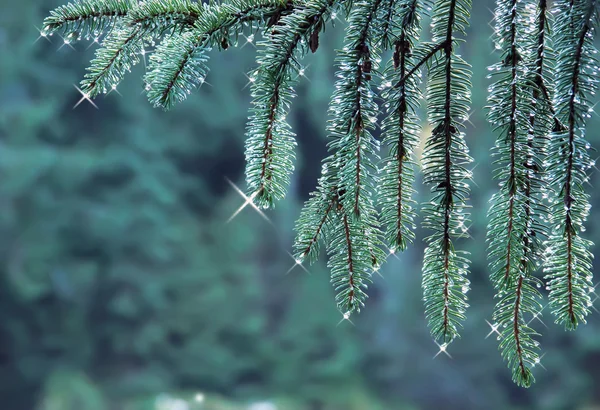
<point>322,205</point>
<point>348,296</point>
<point>125,38</point>
<point>543,56</point>
<point>354,244</point>
<point>388,27</point>
<point>510,229</point>
<point>119,52</point>
<point>172,73</point>
<point>353,256</point>
<point>400,131</point>
<point>444,269</point>
<point>160,16</point>
<point>396,16</point>
<point>353,110</point>
<point>540,123</point>
<point>269,147</point>
<point>121,48</point>
<point>509,110</point>
<point>568,266</point>
<point>542,118</point>
<point>83,18</point>
<point>427,52</point>
<point>518,347</point>
<point>178,66</point>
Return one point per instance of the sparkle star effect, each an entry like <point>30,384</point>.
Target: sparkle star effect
<point>596,298</point>
<point>248,201</point>
<point>114,88</point>
<point>96,40</point>
<point>298,263</point>
<point>470,175</point>
<point>346,316</point>
<point>392,251</point>
<point>203,81</point>
<point>143,53</point>
<point>85,96</point>
<point>376,270</point>
<point>249,40</point>
<point>251,79</point>
<point>491,25</point>
<point>443,349</point>
<point>66,42</point>
<point>537,316</point>
<point>494,327</point>
<point>467,118</point>
<point>302,73</point>
<point>146,88</point>
<point>42,35</point>
<point>538,361</point>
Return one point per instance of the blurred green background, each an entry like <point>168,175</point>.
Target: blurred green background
<point>123,287</point>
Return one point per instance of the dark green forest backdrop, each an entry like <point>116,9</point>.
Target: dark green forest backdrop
<point>122,287</point>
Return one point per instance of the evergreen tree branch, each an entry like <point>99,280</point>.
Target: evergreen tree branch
<point>541,123</point>
<point>159,16</point>
<point>388,9</point>
<point>510,230</point>
<point>568,267</point>
<point>347,297</point>
<point>178,66</point>
<point>119,52</point>
<point>518,347</point>
<point>542,17</point>
<point>353,254</point>
<point>269,147</point>
<point>353,110</point>
<point>128,25</point>
<point>353,245</point>
<point>400,131</point>
<point>444,269</point>
<point>540,147</point>
<point>432,50</point>
<point>321,205</point>
<point>85,17</point>
<point>397,15</point>
<point>507,219</point>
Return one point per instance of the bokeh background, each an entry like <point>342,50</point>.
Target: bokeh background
<point>123,287</point>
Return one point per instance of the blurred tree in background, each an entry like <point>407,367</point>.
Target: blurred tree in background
<point>123,286</point>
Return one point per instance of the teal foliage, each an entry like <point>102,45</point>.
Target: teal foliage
<point>512,224</point>
<point>569,267</point>
<point>445,161</point>
<point>400,128</point>
<point>121,280</point>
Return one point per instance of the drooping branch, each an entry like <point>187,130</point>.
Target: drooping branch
<point>541,122</point>
<point>568,267</point>
<point>444,159</point>
<point>315,222</point>
<point>400,132</point>
<point>353,110</point>
<point>269,147</point>
<point>348,171</point>
<point>126,24</point>
<point>510,229</point>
